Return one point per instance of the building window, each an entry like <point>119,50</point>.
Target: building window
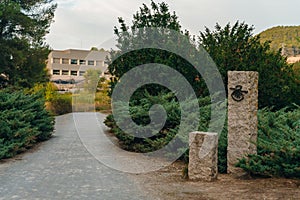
<point>65,61</point>
<point>99,63</point>
<point>56,60</point>
<point>82,62</point>
<point>74,61</point>
<point>91,62</point>
<point>74,73</point>
<point>56,72</point>
<point>65,72</point>
<point>81,73</point>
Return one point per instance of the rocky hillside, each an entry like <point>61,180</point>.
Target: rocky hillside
<point>285,37</point>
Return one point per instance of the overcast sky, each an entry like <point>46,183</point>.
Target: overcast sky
<point>82,24</point>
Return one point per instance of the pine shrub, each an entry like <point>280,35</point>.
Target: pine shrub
<point>139,111</point>
<point>278,136</point>
<point>278,145</point>
<point>23,122</point>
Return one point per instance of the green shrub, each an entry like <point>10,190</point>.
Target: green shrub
<point>102,101</point>
<point>60,104</point>
<point>278,145</point>
<point>23,122</point>
<point>234,48</point>
<point>139,111</point>
<point>296,67</point>
<point>278,136</point>
<point>56,103</point>
<point>222,150</point>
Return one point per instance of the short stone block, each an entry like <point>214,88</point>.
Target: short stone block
<point>203,156</point>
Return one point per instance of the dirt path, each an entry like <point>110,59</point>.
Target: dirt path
<point>168,184</point>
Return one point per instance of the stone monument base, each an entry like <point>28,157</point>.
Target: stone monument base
<point>203,156</point>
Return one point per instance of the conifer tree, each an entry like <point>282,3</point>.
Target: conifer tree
<point>23,26</point>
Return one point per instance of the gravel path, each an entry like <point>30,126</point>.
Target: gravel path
<point>62,168</point>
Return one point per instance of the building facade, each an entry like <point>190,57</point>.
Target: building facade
<point>67,67</point>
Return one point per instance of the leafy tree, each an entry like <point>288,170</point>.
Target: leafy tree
<point>157,16</point>
<point>235,48</point>
<point>23,26</point>
<point>92,80</point>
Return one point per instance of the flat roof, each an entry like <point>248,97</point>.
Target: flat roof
<point>79,54</point>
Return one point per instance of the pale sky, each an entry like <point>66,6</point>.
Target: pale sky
<point>82,24</point>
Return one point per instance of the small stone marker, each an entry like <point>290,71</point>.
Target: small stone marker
<point>242,117</point>
<point>203,156</point>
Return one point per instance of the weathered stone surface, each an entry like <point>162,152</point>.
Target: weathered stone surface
<point>242,117</point>
<point>203,156</point>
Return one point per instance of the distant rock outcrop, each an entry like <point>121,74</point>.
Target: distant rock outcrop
<point>286,38</point>
<point>293,59</point>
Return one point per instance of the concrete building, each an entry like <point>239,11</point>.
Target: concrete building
<point>67,67</point>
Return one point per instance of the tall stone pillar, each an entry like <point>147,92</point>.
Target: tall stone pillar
<point>242,117</point>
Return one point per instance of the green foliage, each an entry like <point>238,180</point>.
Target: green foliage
<point>278,137</point>
<point>235,48</point>
<point>102,99</point>
<point>286,37</point>
<point>158,16</point>
<point>94,95</point>
<point>60,104</point>
<point>278,145</point>
<point>23,26</point>
<point>92,80</point>
<point>231,48</point>
<point>23,122</point>
<point>222,150</point>
<point>56,103</point>
<point>140,115</point>
<point>296,67</point>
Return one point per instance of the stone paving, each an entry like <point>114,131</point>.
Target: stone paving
<point>62,168</point>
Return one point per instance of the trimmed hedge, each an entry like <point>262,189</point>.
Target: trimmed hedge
<point>24,121</point>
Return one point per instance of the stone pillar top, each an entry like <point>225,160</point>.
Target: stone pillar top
<point>206,133</point>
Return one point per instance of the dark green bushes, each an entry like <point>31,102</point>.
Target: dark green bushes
<point>56,103</point>
<point>140,115</point>
<point>278,145</point>
<point>60,104</point>
<point>23,122</point>
<point>139,111</point>
<point>278,136</point>
<point>234,48</point>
